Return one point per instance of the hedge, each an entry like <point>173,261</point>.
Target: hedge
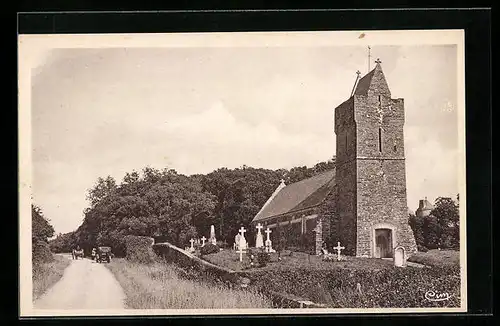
<point>41,252</point>
<point>139,249</point>
<point>355,288</point>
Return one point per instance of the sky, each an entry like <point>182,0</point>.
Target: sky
<point>97,112</point>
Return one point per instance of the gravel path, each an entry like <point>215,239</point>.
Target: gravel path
<point>84,285</point>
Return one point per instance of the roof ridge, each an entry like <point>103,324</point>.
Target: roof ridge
<point>314,176</point>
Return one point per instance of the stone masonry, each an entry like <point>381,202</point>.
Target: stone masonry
<point>371,168</point>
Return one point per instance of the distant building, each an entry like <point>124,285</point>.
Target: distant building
<point>362,202</point>
<point>424,208</point>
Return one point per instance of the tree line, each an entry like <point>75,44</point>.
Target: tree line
<point>173,207</point>
<point>166,205</point>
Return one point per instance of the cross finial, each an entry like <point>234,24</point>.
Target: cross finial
<point>358,73</point>
<point>378,61</point>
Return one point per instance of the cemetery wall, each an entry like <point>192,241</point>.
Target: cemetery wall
<point>194,264</point>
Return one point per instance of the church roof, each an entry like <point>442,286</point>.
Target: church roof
<point>364,83</point>
<point>375,79</point>
<point>297,196</point>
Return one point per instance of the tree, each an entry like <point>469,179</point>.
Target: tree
<point>102,188</point>
<point>431,232</point>
<point>417,226</point>
<point>40,226</point>
<point>446,210</point>
<point>41,231</point>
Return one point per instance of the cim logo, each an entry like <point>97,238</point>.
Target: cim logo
<point>436,296</point>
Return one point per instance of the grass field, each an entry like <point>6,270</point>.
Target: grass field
<point>159,286</point>
<point>437,258</point>
<point>47,274</point>
<point>230,259</point>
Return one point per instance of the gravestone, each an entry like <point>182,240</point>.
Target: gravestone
<point>338,248</point>
<point>212,239</point>
<point>259,240</point>
<point>242,243</point>
<point>191,249</point>
<point>399,257</point>
<point>268,243</point>
<point>236,245</point>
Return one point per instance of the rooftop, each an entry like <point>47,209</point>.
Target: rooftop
<point>298,196</point>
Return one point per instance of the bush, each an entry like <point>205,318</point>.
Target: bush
<point>392,287</point>
<point>209,248</point>
<point>41,252</point>
<point>139,249</point>
<point>263,258</point>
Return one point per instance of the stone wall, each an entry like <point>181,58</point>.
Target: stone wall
<point>380,170</point>
<point>382,199</point>
<point>371,181</point>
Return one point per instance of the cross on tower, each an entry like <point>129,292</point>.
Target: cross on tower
<point>378,61</point>
<point>358,73</point>
<point>338,248</point>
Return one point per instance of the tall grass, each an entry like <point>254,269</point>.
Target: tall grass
<point>159,286</point>
<point>46,274</point>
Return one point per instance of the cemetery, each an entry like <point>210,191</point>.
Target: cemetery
<point>329,279</point>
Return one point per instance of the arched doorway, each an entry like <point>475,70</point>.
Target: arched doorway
<point>383,243</point>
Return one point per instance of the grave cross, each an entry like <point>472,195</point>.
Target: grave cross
<point>240,251</point>
<point>338,248</point>
<point>203,239</point>
<point>192,242</point>
<point>259,227</point>
<point>268,231</point>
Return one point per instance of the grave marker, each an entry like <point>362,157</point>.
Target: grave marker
<point>338,248</point>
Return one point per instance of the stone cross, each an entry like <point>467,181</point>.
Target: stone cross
<point>203,239</point>
<point>268,231</point>
<point>259,242</point>
<point>241,244</point>
<point>338,248</point>
<point>240,251</point>
<point>192,242</point>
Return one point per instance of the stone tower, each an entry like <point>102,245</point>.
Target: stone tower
<point>371,206</point>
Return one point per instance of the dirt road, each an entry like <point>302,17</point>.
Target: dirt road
<point>84,285</point>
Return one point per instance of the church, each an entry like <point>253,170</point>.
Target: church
<point>362,201</point>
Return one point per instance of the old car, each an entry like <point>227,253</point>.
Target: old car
<point>77,252</point>
<point>103,254</point>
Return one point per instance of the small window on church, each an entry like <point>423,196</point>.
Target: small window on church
<point>379,100</point>
<point>395,148</point>
<point>380,139</point>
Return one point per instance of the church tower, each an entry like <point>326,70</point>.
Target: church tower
<point>371,206</point>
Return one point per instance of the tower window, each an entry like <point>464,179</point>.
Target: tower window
<point>379,100</point>
<point>395,148</point>
<point>380,140</point>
